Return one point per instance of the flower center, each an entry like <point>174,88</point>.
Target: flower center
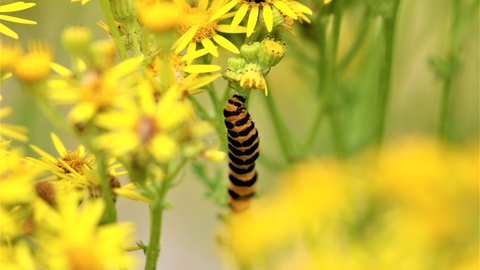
<point>194,16</point>
<point>75,161</point>
<point>146,128</point>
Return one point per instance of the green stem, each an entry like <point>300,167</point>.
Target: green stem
<point>107,12</point>
<point>110,214</point>
<point>444,108</point>
<point>284,137</point>
<point>335,121</point>
<point>356,44</point>
<point>156,217</point>
<point>384,89</point>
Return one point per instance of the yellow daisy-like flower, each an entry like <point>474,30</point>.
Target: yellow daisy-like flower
<point>10,53</point>
<point>198,26</point>
<point>71,238</point>
<point>17,176</point>
<point>11,131</point>
<point>34,65</point>
<point>13,7</point>
<point>145,128</point>
<point>97,92</point>
<point>290,8</point>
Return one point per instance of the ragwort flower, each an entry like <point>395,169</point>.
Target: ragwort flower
<point>143,129</point>
<point>197,26</point>
<point>71,238</point>
<point>290,8</point>
<point>16,6</point>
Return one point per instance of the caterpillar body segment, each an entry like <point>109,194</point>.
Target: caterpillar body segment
<point>243,150</point>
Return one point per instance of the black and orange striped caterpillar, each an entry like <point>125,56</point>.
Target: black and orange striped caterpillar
<point>243,150</point>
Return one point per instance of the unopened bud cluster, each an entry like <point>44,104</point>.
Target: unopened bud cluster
<point>256,58</point>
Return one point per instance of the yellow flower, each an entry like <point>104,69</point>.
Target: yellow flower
<point>145,128</point>
<point>412,205</point>
<point>17,177</point>
<point>10,53</point>
<point>11,131</point>
<point>290,8</point>
<point>34,65</point>
<point>96,92</point>
<point>150,11</point>
<point>72,239</point>
<point>17,6</point>
<point>197,26</point>
<point>83,2</point>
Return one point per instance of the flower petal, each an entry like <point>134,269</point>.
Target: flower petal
<point>61,150</point>
<point>7,31</point>
<point>203,4</point>
<point>208,44</point>
<point>201,68</point>
<point>268,17</point>
<point>61,70</point>
<point>186,38</point>
<point>252,20</point>
<point>16,20</point>
<point>193,55</point>
<point>191,49</point>
<point>223,10</point>
<point>285,9</point>
<point>297,7</point>
<point>242,11</point>
<point>224,28</point>
<point>225,43</point>
<point>17,6</point>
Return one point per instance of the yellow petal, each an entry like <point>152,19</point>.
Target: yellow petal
<point>61,150</point>
<point>201,68</point>
<point>268,17</point>
<point>6,76</point>
<point>285,9</point>
<point>163,148</point>
<point>191,49</point>
<point>240,15</point>
<point>7,31</point>
<point>133,195</point>
<point>252,20</point>
<point>227,29</point>
<point>203,4</point>
<point>43,153</point>
<point>82,112</point>
<point>201,81</point>
<point>61,70</point>
<point>300,8</point>
<point>185,39</point>
<point>223,10</point>
<point>196,54</point>
<point>225,43</point>
<point>124,68</point>
<point>16,20</point>
<point>17,6</point>
<point>208,44</point>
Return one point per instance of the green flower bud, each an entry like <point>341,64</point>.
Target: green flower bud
<point>250,51</point>
<point>271,52</point>
<point>123,11</point>
<point>236,63</point>
<point>75,39</point>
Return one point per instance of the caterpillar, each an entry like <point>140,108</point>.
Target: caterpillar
<point>243,150</point>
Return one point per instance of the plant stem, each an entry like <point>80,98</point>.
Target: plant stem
<point>284,138</point>
<point>107,12</point>
<point>444,108</point>
<point>356,44</point>
<point>156,216</point>
<point>384,89</point>
<point>110,214</point>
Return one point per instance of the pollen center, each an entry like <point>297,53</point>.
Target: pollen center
<point>75,161</point>
<point>146,128</point>
<point>194,16</point>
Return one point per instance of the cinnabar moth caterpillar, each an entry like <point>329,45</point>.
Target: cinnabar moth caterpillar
<point>243,150</point>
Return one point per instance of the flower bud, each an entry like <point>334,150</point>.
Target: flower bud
<point>75,39</point>
<point>249,51</point>
<point>271,52</point>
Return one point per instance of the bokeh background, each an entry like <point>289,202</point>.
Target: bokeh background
<point>190,228</point>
